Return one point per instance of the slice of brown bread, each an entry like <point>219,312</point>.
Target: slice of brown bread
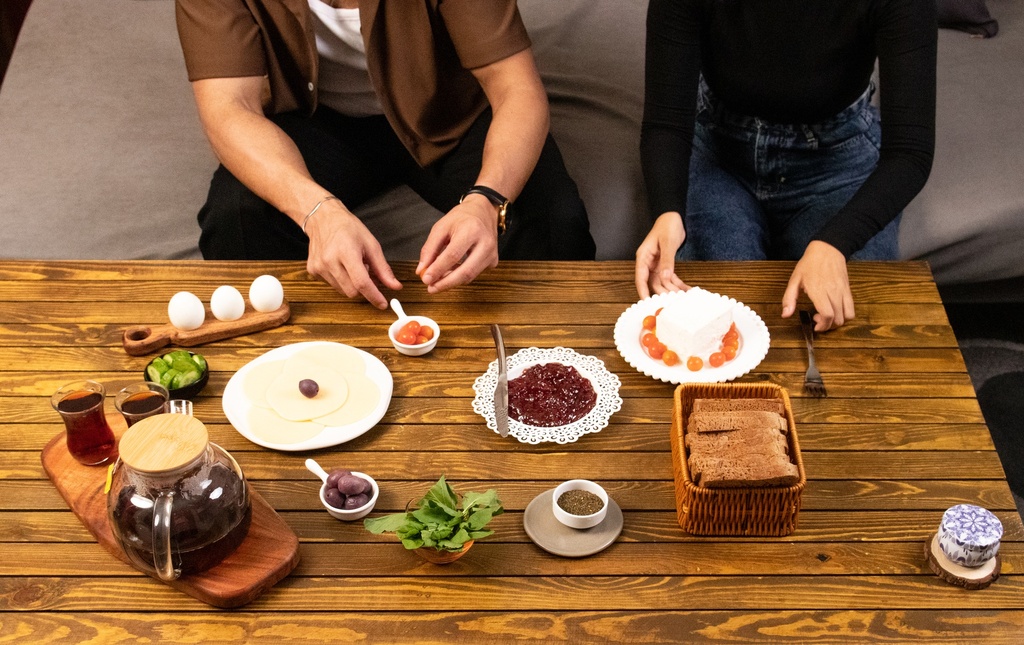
<point>751,438</point>
<point>758,459</point>
<point>734,405</point>
<point>739,420</point>
<point>735,443</point>
<point>750,472</point>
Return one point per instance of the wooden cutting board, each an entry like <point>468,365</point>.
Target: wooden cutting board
<point>141,340</point>
<point>269,552</point>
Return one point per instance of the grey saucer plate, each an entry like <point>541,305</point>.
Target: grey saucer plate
<point>557,538</point>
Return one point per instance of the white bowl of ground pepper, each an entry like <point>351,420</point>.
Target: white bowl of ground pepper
<point>579,503</point>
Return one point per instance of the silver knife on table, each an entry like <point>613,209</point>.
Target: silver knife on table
<point>501,389</point>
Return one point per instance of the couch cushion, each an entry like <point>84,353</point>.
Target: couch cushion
<point>590,54</point>
<point>101,153</point>
<point>968,222</point>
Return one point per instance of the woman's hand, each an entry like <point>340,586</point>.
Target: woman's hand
<point>656,257</point>
<point>821,274</point>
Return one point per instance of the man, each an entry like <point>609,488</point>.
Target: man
<point>315,106</point>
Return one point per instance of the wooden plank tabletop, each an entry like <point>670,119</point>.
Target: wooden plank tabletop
<point>899,439</point>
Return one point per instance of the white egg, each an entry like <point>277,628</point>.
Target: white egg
<point>266,293</point>
<point>186,311</point>
<point>227,303</point>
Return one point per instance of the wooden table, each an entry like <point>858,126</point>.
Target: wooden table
<point>899,440</point>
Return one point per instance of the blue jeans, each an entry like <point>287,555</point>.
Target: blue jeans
<point>762,191</point>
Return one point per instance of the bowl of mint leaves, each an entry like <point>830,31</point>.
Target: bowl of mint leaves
<point>443,525</point>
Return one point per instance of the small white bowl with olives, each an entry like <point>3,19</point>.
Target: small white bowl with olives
<point>579,503</point>
<point>347,495</point>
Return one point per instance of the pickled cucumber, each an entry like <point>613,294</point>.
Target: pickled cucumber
<point>176,369</point>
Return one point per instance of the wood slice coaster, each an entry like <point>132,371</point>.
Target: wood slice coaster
<point>141,340</point>
<point>955,574</point>
<point>269,552</point>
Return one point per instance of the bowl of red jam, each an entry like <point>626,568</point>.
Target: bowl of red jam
<point>548,395</point>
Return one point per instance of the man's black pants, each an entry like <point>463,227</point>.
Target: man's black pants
<point>357,158</point>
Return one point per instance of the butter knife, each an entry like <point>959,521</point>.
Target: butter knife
<point>501,390</point>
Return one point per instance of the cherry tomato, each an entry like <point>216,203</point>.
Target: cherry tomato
<point>648,339</point>
<point>650,322</point>
<point>426,331</point>
<point>733,344</point>
<point>669,357</point>
<point>411,326</point>
<point>657,350</point>
<point>716,359</point>
<point>729,352</point>
<point>730,337</point>
<point>406,337</point>
<point>694,364</point>
<point>732,329</point>
<point>422,339</point>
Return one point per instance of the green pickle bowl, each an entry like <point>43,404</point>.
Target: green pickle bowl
<point>183,380</point>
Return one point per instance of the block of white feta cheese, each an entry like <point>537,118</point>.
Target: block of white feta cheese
<point>693,323</point>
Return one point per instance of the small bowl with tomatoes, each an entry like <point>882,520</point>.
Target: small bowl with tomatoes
<point>414,335</point>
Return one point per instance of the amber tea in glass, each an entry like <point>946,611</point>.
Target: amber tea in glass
<point>89,437</point>
<point>141,400</point>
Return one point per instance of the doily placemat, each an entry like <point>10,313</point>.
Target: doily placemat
<point>606,385</point>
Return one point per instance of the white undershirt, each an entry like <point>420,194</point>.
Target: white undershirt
<point>344,84</point>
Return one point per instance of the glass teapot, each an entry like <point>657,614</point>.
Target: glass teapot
<point>178,504</point>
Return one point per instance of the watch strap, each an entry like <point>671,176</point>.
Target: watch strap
<point>500,201</point>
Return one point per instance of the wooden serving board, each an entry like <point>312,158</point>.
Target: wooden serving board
<point>269,552</point>
<point>141,340</point>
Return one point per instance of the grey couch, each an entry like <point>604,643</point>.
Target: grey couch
<point>101,154</point>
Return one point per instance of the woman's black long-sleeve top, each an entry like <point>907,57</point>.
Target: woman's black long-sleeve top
<point>794,62</point>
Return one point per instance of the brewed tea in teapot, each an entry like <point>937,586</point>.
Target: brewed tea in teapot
<point>178,504</point>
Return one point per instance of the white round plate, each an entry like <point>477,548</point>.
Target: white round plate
<point>606,385</point>
<point>237,405</point>
<point>754,341</point>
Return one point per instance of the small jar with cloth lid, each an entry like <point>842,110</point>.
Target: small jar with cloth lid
<point>969,535</point>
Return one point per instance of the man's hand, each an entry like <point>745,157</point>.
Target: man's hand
<point>343,252</point>
<point>460,246</point>
<point>821,274</point>
<point>656,257</point>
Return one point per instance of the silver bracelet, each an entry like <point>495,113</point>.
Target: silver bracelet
<point>315,209</point>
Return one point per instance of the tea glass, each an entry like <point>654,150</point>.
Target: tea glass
<point>141,400</point>
<point>89,437</point>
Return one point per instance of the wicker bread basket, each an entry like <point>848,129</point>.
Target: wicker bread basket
<point>765,511</point>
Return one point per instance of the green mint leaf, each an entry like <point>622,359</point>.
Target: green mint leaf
<point>411,544</point>
<point>443,495</point>
<point>436,534</point>
<point>479,519</point>
<point>432,514</point>
<point>385,524</point>
<point>489,498</point>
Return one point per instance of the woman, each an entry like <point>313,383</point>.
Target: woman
<point>759,139</point>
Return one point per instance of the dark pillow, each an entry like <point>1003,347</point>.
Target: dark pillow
<point>971,16</point>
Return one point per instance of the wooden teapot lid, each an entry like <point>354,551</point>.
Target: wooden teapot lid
<point>163,442</point>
